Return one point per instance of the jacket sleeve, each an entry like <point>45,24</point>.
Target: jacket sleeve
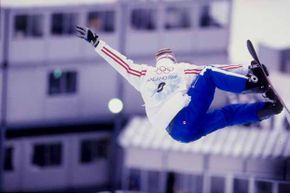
<point>127,68</point>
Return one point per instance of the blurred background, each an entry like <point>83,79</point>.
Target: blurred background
<point>70,123</point>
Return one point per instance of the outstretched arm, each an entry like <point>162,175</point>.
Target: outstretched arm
<point>127,68</point>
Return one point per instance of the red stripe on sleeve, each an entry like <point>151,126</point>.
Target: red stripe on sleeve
<point>122,61</point>
<point>125,67</point>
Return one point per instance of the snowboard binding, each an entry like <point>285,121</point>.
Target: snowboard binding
<point>257,81</point>
<point>259,72</point>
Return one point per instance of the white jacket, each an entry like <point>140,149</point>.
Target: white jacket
<point>163,88</point>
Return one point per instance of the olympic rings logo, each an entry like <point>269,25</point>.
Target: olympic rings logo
<point>164,70</point>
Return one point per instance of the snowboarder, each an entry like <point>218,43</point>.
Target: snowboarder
<point>177,95</point>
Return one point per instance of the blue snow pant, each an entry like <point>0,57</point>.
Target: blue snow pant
<point>194,120</point>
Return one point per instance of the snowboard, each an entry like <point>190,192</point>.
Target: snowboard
<point>271,86</point>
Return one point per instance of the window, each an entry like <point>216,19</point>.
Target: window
<point>47,155</point>
<point>196,183</point>
<point>283,187</point>
<point>143,19</point>
<point>177,17</point>
<point>103,21</point>
<point>184,182</point>
<point>134,180</point>
<point>153,182</point>
<point>62,82</point>
<point>241,185</point>
<point>170,182</point>
<point>263,187</point>
<point>63,23</point>
<point>215,15</point>
<point>8,162</point>
<point>217,184</point>
<point>94,149</point>
<point>28,26</point>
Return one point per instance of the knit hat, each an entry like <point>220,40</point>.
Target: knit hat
<point>165,53</point>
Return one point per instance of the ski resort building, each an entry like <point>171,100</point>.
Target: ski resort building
<point>231,160</point>
<point>59,134</point>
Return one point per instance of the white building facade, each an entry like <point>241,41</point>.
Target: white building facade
<point>54,79</point>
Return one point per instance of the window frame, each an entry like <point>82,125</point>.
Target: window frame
<point>105,10</point>
<point>156,25</point>
<point>63,82</point>
<point>65,31</point>
<point>212,17</point>
<point>180,27</point>
<point>48,154</point>
<point>11,163</point>
<point>28,32</point>
<point>95,155</point>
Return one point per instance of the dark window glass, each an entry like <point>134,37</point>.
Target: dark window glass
<point>57,24</point>
<point>103,21</point>
<point>284,188</point>
<point>241,185</point>
<point>143,19</point>
<point>70,82</point>
<point>153,182</point>
<point>36,26</point>
<point>196,183</point>
<point>62,82</point>
<point>21,25</point>
<point>63,24</point>
<point>94,149</point>
<point>177,182</point>
<point>217,185</point>
<point>54,84</point>
<point>263,187</point>
<point>214,15</point>
<point>177,18</point>
<point>28,26</point>
<point>46,155</point>
<point>8,162</point>
<point>134,180</point>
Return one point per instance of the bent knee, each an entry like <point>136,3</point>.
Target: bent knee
<point>185,135</point>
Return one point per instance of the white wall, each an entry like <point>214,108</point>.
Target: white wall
<point>71,173</point>
<point>261,21</point>
<point>96,172</point>
<point>50,47</point>
<point>28,101</point>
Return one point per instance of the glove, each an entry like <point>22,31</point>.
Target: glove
<point>88,35</point>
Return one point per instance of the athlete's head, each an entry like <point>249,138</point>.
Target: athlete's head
<point>165,55</point>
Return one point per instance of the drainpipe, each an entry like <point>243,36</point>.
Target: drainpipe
<point>3,126</point>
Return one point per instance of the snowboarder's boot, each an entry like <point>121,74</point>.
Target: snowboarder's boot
<point>271,108</point>
<point>257,82</point>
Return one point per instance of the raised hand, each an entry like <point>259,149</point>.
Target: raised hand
<point>88,35</point>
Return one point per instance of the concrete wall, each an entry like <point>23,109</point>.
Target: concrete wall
<point>31,59</point>
<point>29,102</point>
<point>71,173</point>
<point>51,48</point>
<point>192,40</point>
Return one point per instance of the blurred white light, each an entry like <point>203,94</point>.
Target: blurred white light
<point>115,105</point>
